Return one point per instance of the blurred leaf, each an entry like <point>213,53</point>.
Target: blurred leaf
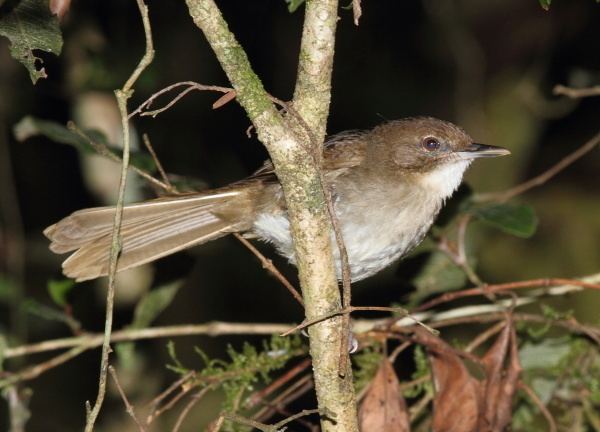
<point>546,354</point>
<point>8,290</point>
<point>545,4</point>
<point>31,126</point>
<point>439,274</point>
<point>383,407</point>
<point>40,310</point>
<point>146,311</point>
<point>294,4</point>
<point>153,303</point>
<point>59,289</point>
<point>518,220</point>
<point>29,25</point>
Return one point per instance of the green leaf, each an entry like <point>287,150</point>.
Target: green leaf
<point>8,290</point>
<point>31,126</point>
<point>153,303</point>
<point>518,220</point>
<point>59,289</point>
<point>294,4</point>
<point>29,25</point>
<point>545,4</point>
<point>42,311</point>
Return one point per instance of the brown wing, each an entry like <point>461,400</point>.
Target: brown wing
<point>342,151</point>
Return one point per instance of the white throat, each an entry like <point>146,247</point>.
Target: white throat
<point>446,179</point>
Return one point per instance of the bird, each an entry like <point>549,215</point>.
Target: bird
<point>387,184</point>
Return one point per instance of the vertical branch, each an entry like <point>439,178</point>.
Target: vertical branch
<point>312,96</point>
<point>300,179</point>
<point>122,96</point>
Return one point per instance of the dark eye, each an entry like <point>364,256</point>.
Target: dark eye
<point>431,144</point>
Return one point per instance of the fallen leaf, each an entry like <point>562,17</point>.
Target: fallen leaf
<point>383,408</point>
<point>458,404</point>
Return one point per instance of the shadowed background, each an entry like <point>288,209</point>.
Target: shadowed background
<point>489,67</point>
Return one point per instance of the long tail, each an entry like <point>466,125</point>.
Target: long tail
<point>149,230</point>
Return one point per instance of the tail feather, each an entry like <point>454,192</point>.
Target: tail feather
<point>149,231</point>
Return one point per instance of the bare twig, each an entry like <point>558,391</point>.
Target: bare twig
<point>128,407</point>
<point>154,412</point>
<point>159,166</point>
<point>576,93</point>
<point>184,412</point>
<point>215,328</point>
<point>102,150</point>
<point>542,178</point>
<point>457,253</point>
<point>484,336</point>
<point>268,265</point>
<point>122,96</point>
<point>276,384</point>
<point>290,394</point>
<point>347,311</point>
<point>190,86</point>
<point>491,289</point>
<point>32,372</point>
<point>540,405</point>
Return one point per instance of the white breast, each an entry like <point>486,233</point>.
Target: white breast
<point>386,225</point>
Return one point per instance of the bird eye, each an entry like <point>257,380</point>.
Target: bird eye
<point>431,144</point>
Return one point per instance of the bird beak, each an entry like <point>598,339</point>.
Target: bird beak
<point>483,150</point>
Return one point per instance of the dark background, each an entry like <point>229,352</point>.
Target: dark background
<point>488,66</point>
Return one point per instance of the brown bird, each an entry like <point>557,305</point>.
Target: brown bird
<point>388,185</point>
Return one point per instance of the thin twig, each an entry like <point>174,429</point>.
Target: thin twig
<point>484,336</point>
<point>267,264</point>
<point>158,399</point>
<point>128,407</point>
<point>576,93</point>
<point>308,323</point>
<point>103,150</point>
<point>32,372</point>
<point>159,166</point>
<point>290,394</point>
<point>184,412</point>
<point>540,405</point>
<point>215,328</point>
<point>122,96</point>
<point>276,384</point>
<point>491,289</point>
<point>542,178</point>
<point>191,85</point>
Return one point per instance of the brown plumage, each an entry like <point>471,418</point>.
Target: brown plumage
<point>388,185</point>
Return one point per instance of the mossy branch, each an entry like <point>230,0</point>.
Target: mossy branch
<point>290,151</point>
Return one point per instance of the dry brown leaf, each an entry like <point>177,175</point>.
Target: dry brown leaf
<point>509,385</point>
<point>502,376</point>
<point>458,402</point>
<point>493,362</point>
<point>225,99</point>
<point>383,408</point>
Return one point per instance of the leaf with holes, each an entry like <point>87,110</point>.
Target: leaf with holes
<point>29,25</point>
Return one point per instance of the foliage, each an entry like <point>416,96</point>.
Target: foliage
<point>518,220</point>
<point>244,370</point>
<point>366,363</point>
<point>29,26</point>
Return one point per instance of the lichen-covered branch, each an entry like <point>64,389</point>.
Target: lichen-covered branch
<point>294,163</point>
